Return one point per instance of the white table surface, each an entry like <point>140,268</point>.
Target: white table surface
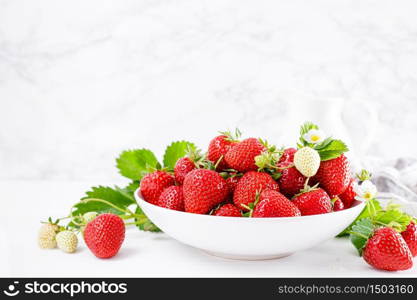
<point>143,254</point>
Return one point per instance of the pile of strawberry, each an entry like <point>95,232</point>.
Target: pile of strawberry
<point>250,178</point>
<point>239,178</point>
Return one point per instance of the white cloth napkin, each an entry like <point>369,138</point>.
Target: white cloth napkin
<point>396,180</point>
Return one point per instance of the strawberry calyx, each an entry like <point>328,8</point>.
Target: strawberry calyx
<point>201,162</point>
<point>363,175</point>
<point>206,164</point>
<point>272,149</point>
<point>58,227</point>
<point>50,221</point>
<point>251,206</point>
<point>268,160</point>
<point>232,137</point>
<point>307,188</point>
<point>195,156</point>
<point>337,203</point>
<point>158,167</point>
<point>230,173</point>
<point>361,232</point>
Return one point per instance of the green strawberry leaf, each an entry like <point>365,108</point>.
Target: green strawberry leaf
<point>275,175</point>
<point>127,192</point>
<point>393,217</point>
<point>114,195</point>
<point>332,149</point>
<point>145,223</point>
<point>328,155</point>
<point>323,144</point>
<point>361,232</point>
<point>132,187</point>
<point>371,209</point>
<point>134,164</point>
<point>175,151</point>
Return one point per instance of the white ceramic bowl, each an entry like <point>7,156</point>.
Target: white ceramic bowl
<point>249,238</point>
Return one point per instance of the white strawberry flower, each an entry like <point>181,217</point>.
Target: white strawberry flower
<point>314,136</point>
<point>365,191</point>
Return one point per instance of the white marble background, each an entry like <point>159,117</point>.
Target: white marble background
<point>82,80</point>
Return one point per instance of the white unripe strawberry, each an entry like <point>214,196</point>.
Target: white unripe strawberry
<point>67,241</point>
<point>47,235</point>
<point>307,161</point>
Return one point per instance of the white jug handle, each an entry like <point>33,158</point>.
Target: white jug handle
<point>371,125</point>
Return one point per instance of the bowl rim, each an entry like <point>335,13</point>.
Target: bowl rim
<point>357,204</point>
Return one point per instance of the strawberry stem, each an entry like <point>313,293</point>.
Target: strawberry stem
<point>306,183</point>
<point>245,206</point>
<point>371,209</point>
<point>252,205</point>
<point>218,162</point>
<point>76,223</point>
<point>127,211</point>
<point>139,222</point>
<point>128,214</point>
<point>358,234</point>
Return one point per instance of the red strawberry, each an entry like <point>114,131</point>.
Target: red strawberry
<point>104,235</point>
<point>218,148</point>
<point>387,250</point>
<point>228,210</point>
<point>250,183</point>
<point>291,180</point>
<point>172,197</point>
<point>348,196</point>
<point>183,167</point>
<point>334,175</point>
<point>153,184</point>
<point>313,202</point>
<point>232,183</point>
<point>288,155</point>
<point>203,189</point>
<point>242,156</point>
<point>337,204</point>
<point>410,237</point>
<point>274,204</point>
